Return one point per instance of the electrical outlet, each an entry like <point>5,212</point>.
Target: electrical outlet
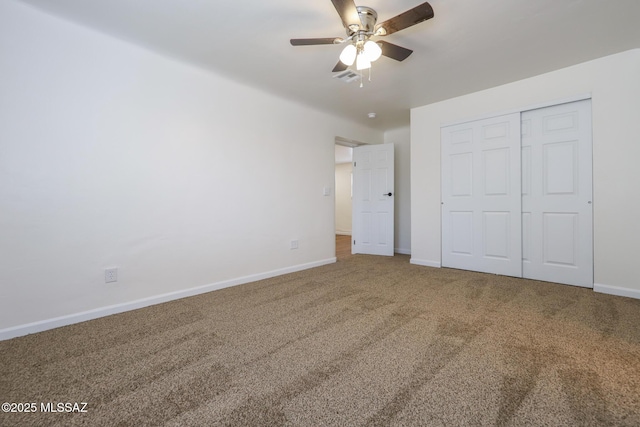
<point>294,244</point>
<point>110,275</point>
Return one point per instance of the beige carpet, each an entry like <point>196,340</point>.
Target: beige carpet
<point>366,341</point>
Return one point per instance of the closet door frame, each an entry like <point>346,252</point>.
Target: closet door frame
<point>445,262</point>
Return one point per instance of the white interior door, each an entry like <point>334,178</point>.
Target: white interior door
<point>481,210</point>
<point>373,204</point>
<point>557,213</point>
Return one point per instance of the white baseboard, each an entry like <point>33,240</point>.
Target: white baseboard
<point>83,316</point>
<point>425,262</point>
<point>402,251</point>
<point>617,290</point>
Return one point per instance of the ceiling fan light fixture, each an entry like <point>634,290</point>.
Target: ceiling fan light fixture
<point>348,55</point>
<point>372,51</point>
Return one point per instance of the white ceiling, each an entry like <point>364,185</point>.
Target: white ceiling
<point>469,45</point>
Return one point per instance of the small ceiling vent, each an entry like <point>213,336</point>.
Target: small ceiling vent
<point>347,76</point>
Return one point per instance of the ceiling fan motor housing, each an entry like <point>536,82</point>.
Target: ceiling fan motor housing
<point>368,18</point>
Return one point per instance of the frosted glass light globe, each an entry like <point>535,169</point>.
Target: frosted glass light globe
<point>362,62</point>
<point>372,50</point>
<point>348,55</point>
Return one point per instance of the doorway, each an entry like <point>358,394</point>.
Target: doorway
<point>343,197</point>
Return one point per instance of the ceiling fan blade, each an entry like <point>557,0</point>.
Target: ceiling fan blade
<point>393,51</point>
<point>347,11</point>
<point>411,17</point>
<point>339,67</point>
<point>308,42</point>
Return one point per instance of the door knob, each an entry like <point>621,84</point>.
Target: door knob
<point>388,194</point>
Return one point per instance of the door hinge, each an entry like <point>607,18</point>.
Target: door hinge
<point>354,164</point>
<point>354,242</point>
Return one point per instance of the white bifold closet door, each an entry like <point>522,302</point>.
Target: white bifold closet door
<point>557,214</point>
<point>481,208</point>
<point>517,195</point>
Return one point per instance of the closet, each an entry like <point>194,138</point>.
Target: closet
<point>517,194</point>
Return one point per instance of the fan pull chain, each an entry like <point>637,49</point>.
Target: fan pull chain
<point>362,77</point>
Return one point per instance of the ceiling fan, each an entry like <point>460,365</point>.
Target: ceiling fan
<point>360,24</point>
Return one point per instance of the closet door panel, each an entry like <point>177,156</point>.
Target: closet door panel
<point>559,234</point>
<point>481,210</point>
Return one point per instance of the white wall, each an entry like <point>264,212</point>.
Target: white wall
<point>401,138</point>
<point>614,83</point>
<point>343,198</point>
<point>111,155</point>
